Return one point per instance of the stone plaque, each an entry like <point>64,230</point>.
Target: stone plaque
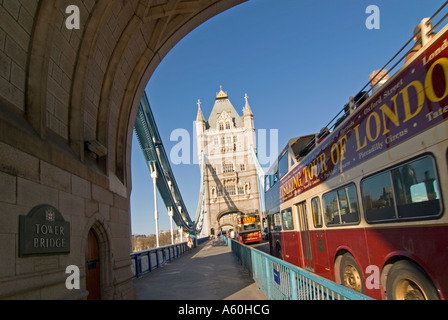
<point>43,231</point>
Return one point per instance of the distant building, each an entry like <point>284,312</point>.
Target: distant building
<point>231,184</point>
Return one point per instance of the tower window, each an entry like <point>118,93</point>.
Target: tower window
<point>228,168</point>
<point>230,190</point>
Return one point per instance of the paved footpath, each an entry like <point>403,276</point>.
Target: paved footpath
<point>210,272</point>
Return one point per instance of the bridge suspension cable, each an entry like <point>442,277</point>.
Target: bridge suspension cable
<point>157,161</point>
<point>199,220</point>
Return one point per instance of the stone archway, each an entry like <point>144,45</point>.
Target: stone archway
<point>67,110</point>
<point>101,261</point>
<point>227,218</point>
<point>97,225</point>
<point>93,267</point>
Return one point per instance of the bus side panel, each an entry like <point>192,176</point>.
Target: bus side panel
<point>426,246</point>
<point>353,241</point>
<point>320,254</point>
<point>291,248</point>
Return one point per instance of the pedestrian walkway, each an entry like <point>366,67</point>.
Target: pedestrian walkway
<point>210,272</point>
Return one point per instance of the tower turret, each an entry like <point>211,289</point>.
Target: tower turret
<point>200,130</point>
<point>248,115</point>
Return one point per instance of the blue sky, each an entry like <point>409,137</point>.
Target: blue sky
<point>299,61</point>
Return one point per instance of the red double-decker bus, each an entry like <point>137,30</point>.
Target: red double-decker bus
<point>364,204</point>
<point>248,228</point>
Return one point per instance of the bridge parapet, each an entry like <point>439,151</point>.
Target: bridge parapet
<point>145,261</point>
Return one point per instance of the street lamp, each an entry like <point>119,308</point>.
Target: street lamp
<point>156,213</point>
<point>170,213</point>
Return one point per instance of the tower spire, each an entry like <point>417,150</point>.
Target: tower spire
<point>221,94</point>
<point>246,110</point>
<point>200,116</point>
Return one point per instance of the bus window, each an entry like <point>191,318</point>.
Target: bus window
<point>331,210</point>
<point>406,192</point>
<point>277,222</point>
<point>275,178</point>
<point>287,222</point>
<point>419,195</point>
<point>348,204</point>
<point>283,165</point>
<point>270,223</point>
<point>378,199</point>
<point>270,180</point>
<point>317,216</point>
<point>267,182</point>
<point>341,206</point>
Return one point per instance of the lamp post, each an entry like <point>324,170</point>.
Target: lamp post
<point>156,213</point>
<point>170,213</point>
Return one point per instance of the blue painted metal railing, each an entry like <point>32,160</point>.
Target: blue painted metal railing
<point>280,280</point>
<point>145,261</point>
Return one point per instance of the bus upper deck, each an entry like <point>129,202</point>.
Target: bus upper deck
<point>369,193</point>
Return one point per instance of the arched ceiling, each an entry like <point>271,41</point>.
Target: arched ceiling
<point>65,87</point>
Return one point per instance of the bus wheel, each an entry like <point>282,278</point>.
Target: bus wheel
<point>406,281</point>
<point>350,273</point>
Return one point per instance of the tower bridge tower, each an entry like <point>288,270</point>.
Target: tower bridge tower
<point>231,184</point>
